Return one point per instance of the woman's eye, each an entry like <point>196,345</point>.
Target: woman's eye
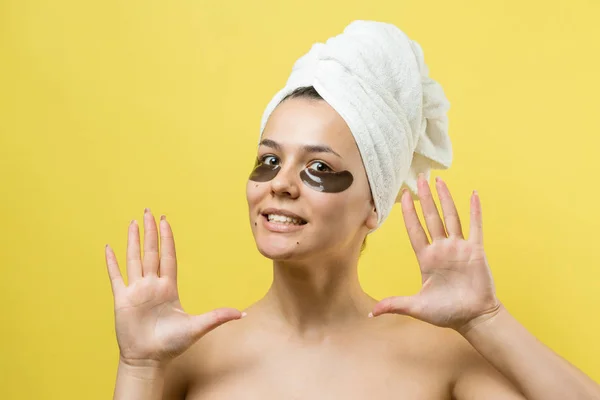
<point>320,166</point>
<point>269,160</point>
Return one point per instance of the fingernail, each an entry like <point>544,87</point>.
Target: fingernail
<point>370,315</point>
<point>163,217</point>
<point>146,210</point>
<point>133,222</point>
<point>438,179</point>
<point>244,314</point>
<point>475,193</point>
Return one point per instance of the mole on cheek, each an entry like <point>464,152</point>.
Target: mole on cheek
<point>328,182</point>
<point>263,172</point>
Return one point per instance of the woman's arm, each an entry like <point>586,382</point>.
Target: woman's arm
<point>139,382</point>
<point>151,382</point>
<point>458,292</point>
<point>537,371</point>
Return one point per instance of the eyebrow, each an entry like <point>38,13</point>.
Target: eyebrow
<point>309,148</point>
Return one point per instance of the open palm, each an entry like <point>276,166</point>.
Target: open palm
<point>151,325</point>
<point>458,288</point>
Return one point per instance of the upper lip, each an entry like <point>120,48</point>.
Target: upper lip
<point>279,211</point>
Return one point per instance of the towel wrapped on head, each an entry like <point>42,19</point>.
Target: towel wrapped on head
<point>375,77</point>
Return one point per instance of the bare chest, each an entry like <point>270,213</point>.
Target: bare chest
<point>317,375</point>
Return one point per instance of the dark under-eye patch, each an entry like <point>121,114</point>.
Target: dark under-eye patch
<point>328,182</point>
<point>264,172</point>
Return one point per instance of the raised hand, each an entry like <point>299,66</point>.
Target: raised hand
<point>152,327</point>
<point>458,289</point>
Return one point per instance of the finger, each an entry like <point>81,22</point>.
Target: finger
<point>430,212</point>
<point>150,261</point>
<point>202,324</point>
<point>408,305</point>
<point>451,217</point>
<point>114,273</point>
<point>168,258</point>
<point>134,263</point>
<point>476,223</point>
<point>416,234</point>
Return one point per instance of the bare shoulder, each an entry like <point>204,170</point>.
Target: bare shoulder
<point>215,356</point>
<point>443,348</point>
<point>469,374</point>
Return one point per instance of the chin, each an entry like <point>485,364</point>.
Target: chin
<point>280,249</point>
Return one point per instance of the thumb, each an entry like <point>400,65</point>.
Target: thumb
<point>204,323</point>
<point>405,305</point>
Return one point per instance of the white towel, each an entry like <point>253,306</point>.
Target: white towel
<point>375,77</point>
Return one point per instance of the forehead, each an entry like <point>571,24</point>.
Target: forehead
<point>301,121</point>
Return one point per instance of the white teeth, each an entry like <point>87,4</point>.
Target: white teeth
<point>282,219</point>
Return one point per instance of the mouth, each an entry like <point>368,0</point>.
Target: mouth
<point>282,217</point>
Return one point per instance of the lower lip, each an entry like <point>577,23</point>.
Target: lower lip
<point>280,228</point>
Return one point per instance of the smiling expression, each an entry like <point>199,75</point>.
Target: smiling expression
<point>308,195</point>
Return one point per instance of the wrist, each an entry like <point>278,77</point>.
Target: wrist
<point>139,380</point>
<point>142,369</point>
<point>482,320</point>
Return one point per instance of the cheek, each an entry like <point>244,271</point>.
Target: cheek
<point>348,208</point>
<point>253,190</point>
<point>329,208</point>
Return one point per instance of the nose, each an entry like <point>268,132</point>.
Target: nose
<point>286,183</point>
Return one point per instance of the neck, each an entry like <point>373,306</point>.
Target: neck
<point>315,297</point>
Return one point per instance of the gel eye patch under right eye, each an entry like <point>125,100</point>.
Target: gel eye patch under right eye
<point>264,172</point>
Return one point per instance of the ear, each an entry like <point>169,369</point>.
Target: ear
<point>371,221</point>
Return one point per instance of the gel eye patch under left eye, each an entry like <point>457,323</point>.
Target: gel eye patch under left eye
<point>327,182</point>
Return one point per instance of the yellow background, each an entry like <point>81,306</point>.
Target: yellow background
<point>109,107</point>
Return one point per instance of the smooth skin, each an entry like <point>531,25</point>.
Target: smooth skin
<point>310,336</point>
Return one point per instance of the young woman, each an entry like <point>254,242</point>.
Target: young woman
<point>316,334</point>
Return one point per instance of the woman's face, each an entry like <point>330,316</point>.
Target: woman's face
<point>308,168</point>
